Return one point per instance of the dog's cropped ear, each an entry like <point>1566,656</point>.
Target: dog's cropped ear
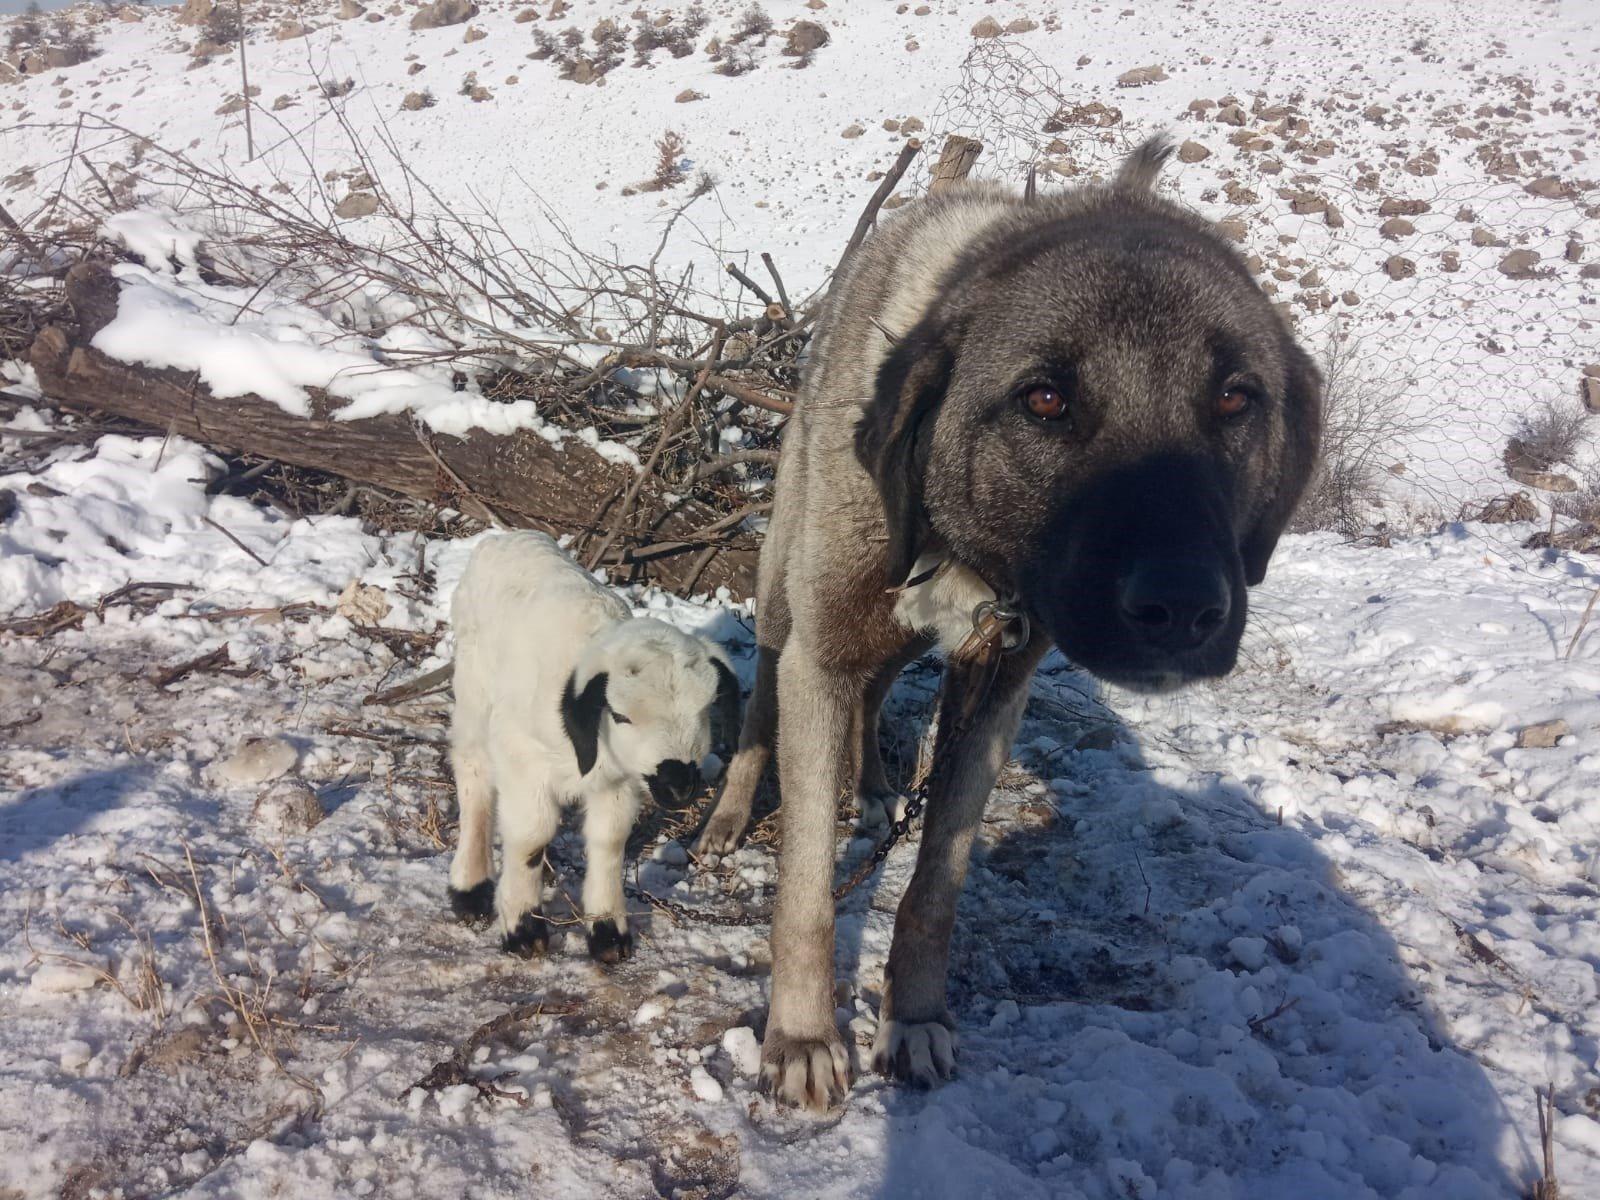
<point>725,708</point>
<point>580,717</point>
<point>910,384</point>
<point>1302,418</point>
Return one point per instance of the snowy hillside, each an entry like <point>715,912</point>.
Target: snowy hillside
<point>1321,929</point>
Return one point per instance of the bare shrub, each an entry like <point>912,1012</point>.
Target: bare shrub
<point>737,60</point>
<point>545,45</point>
<point>753,25</point>
<point>1582,505</point>
<point>669,165</point>
<point>222,26</point>
<point>1546,438</point>
<point>610,45</point>
<point>675,37</point>
<point>1364,414</point>
<point>27,31</point>
<point>333,89</point>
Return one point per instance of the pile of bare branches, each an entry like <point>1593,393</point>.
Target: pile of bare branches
<point>693,375</point>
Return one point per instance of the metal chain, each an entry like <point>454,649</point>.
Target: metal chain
<point>997,630</point>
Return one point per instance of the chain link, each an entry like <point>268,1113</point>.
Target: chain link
<point>997,630</point>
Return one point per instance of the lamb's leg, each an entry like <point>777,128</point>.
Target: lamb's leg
<point>472,868</point>
<point>529,818</point>
<point>606,823</point>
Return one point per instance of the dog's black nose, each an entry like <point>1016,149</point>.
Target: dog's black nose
<point>1175,604</point>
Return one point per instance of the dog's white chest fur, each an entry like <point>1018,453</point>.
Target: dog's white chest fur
<point>942,605</point>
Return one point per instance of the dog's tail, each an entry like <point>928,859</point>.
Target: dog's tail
<point>1139,170</point>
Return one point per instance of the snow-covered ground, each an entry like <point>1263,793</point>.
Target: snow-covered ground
<point>1318,930</point>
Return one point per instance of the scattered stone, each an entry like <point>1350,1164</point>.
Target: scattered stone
<point>1550,187</point>
<point>1396,228</point>
<point>1589,389</point>
<point>1351,299</point>
<point>1544,481</point>
<point>474,33</point>
<point>1232,228</point>
<point>349,10</point>
<point>55,977</point>
<point>1542,736</point>
<point>911,125</point>
<point>1021,25</point>
<point>804,38</point>
<point>1399,267</point>
<point>688,96</point>
<point>525,15</point>
<point>1333,218</point>
<point>1192,152</point>
<point>195,12</point>
<point>1520,264</point>
<point>444,12</point>
<point>289,806</point>
<point>987,28</point>
<point>232,104</point>
<point>258,760</point>
<point>1307,202</point>
<point>852,131</point>
<point>1231,114</point>
<point>1482,237</point>
<point>417,101</point>
<point>289,30</point>
<point>1140,76</point>
<point>1450,261</point>
<point>1574,251</point>
<point>1392,207</point>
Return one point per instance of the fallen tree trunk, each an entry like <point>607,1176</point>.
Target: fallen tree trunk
<point>519,480</point>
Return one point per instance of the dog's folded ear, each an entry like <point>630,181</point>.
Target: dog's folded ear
<point>580,717</point>
<point>725,708</point>
<point>1302,419</point>
<point>889,442</point>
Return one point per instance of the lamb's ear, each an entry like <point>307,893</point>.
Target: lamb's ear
<point>580,717</point>
<point>1302,421</point>
<point>725,708</point>
<point>889,442</point>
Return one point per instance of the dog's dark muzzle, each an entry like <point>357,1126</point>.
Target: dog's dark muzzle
<point>674,783</point>
<point>1141,582</point>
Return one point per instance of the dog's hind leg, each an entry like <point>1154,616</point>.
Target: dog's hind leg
<point>879,802</point>
<point>803,1058</point>
<point>915,1039</point>
<point>728,820</point>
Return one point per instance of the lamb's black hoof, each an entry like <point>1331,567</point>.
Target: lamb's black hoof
<point>531,937</point>
<point>607,944</point>
<point>475,905</point>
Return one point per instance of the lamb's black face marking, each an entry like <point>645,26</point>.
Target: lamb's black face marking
<point>673,783</point>
<point>1108,417</point>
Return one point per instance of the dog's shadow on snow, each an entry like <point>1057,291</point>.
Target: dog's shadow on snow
<point>37,816</point>
<point>1164,990</point>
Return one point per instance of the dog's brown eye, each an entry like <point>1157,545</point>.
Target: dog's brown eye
<point>1233,402</point>
<point>1045,403</point>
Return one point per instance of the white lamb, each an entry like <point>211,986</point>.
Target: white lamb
<point>562,696</point>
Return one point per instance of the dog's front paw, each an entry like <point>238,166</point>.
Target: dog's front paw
<point>608,944</point>
<point>921,1053</point>
<point>474,905</point>
<point>879,810</point>
<point>722,833</point>
<point>809,1073</point>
